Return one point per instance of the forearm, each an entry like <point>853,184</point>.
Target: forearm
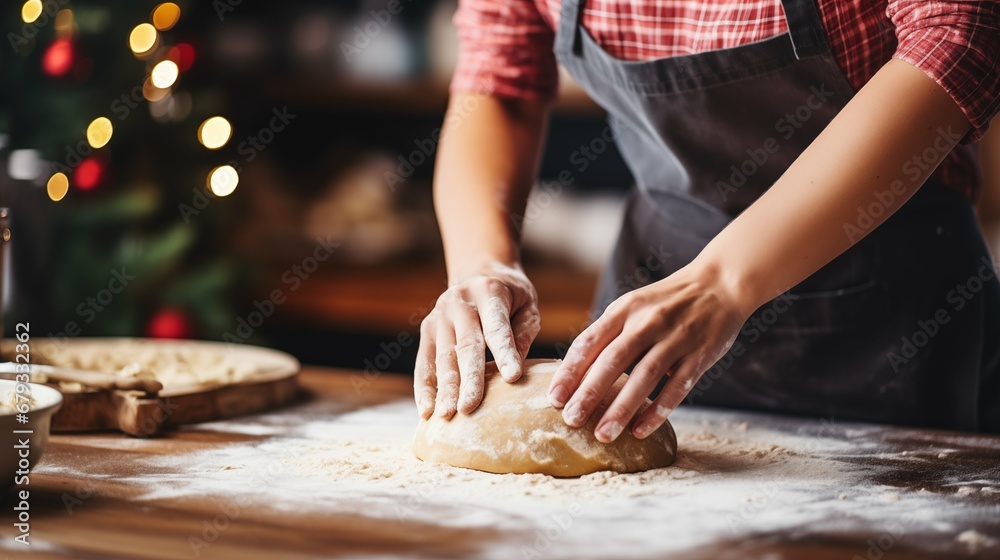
<point>810,215</point>
<point>486,165</point>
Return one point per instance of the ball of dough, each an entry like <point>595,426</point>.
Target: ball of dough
<point>516,430</point>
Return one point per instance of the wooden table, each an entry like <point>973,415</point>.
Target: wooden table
<point>107,496</point>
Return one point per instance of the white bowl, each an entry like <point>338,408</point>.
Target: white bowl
<point>47,402</point>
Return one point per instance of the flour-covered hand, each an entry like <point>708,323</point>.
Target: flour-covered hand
<point>496,307</point>
<point>676,327</point>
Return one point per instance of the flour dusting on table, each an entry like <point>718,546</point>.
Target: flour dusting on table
<point>732,480</point>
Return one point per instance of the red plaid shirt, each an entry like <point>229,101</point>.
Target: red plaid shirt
<point>506,46</point>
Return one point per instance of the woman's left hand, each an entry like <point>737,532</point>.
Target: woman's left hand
<point>678,327</point>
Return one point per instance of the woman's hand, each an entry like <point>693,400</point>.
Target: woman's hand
<point>677,327</point>
<point>496,306</point>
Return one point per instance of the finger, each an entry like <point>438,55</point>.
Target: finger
<point>424,379</point>
<point>677,387</point>
<point>581,354</point>
<point>471,354</point>
<point>640,384</point>
<point>446,365</point>
<point>607,368</point>
<point>526,324</point>
<point>494,313</point>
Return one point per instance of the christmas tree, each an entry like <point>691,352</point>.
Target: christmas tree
<point>114,169</point>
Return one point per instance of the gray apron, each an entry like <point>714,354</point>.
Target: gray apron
<point>881,333</point>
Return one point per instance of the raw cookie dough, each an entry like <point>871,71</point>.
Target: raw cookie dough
<point>9,403</point>
<point>516,430</point>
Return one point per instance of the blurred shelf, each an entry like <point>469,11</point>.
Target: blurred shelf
<point>394,298</point>
<point>428,96</point>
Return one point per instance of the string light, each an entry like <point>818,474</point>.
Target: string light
<point>31,10</point>
<point>142,38</point>
<point>222,180</point>
<point>99,132</point>
<point>215,132</point>
<point>166,15</point>
<point>64,21</point>
<point>153,93</point>
<point>164,74</point>
<point>57,187</point>
<point>182,54</point>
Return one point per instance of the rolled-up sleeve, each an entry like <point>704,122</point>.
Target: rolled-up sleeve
<point>505,49</point>
<point>957,43</point>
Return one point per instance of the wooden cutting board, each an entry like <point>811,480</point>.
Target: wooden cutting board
<point>274,384</point>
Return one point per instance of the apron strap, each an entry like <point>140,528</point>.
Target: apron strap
<point>570,27</point>
<point>805,26</point>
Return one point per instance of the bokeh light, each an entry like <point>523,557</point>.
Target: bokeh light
<point>222,180</point>
<point>64,21</point>
<point>215,132</point>
<point>142,38</point>
<point>88,174</point>
<point>31,10</point>
<point>166,15</point>
<point>99,132</point>
<point>164,74</point>
<point>182,54</point>
<point>153,93</point>
<point>58,58</point>
<point>57,187</point>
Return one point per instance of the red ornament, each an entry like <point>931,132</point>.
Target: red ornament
<point>88,174</point>
<point>170,322</point>
<point>58,58</point>
<point>182,55</point>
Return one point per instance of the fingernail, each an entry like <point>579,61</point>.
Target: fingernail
<point>608,431</point>
<point>558,396</point>
<point>642,430</point>
<point>573,415</point>
<point>445,411</point>
<point>509,369</point>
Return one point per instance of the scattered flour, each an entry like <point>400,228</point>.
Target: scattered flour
<point>975,541</point>
<point>733,480</point>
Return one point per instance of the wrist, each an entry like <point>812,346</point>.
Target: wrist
<point>736,287</point>
<point>483,264</point>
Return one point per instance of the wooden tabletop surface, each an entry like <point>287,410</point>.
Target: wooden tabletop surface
<point>916,494</point>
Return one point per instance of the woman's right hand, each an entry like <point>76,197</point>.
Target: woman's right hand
<point>495,306</point>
